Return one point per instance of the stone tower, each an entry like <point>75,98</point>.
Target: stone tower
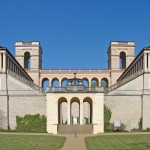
<point>29,55</point>
<point>120,56</point>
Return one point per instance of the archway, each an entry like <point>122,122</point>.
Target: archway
<point>122,60</point>
<point>94,82</point>
<point>64,82</point>
<point>55,82</point>
<point>85,82</point>
<point>27,60</point>
<point>104,82</point>
<point>62,110</point>
<point>87,110</point>
<point>45,83</point>
<point>75,111</point>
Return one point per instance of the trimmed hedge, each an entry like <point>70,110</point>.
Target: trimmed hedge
<point>31,123</point>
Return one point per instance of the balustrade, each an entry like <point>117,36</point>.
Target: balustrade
<point>124,81</point>
<point>74,89</point>
<point>25,81</point>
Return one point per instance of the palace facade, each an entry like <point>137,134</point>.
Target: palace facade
<point>76,98</point>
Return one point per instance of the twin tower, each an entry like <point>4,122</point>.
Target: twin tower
<point>120,55</point>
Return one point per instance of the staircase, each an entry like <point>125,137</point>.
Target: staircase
<point>75,129</point>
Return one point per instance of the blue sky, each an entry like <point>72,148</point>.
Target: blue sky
<point>74,33</point>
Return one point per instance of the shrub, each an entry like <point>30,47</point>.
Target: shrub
<point>31,123</point>
<point>140,124</point>
<point>2,119</point>
<point>107,117</point>
<point>147,130</point>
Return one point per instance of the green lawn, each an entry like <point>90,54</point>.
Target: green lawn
<point>30,142</point>
<point>118,142</point>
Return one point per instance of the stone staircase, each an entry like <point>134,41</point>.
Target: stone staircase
<point>75,129</point>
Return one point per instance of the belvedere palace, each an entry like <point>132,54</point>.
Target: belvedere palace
<point>76,98</point>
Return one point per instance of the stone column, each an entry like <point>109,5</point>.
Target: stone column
<point>81,112</point>
<point>59,83</point>
<point>4,62</point>
<point>148,61</point>
<point>145,62</point>
<point>89,83</point>
<point>8,63</point>
<point>99,84</point>
<point>0,62</point>
<point>68,113</point>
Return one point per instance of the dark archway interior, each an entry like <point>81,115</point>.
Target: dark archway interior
<point>27,61</point>
<point>122,60</point>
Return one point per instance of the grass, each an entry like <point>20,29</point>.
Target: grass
<point>118,142</point>
<point>30,142</point>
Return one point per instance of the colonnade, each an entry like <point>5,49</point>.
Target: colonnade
<point>141,62</point>
<point>69,108</point>
<point>88,82</point>
<point>8,62</point>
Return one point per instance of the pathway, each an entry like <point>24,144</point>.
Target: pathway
<point>74,142</point>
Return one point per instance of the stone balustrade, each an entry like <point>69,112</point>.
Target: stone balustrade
<point>75,89</point>
<point>124,81</point>
<point>25,81</point>
<point>74,70</point>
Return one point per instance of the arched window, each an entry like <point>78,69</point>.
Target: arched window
<point>104,82</point>
<point>122,60</point>
<point>45,83</point>
<point>27,61</point>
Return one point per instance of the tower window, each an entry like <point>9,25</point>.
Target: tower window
<point>27,61</point>
<point>122,60</point>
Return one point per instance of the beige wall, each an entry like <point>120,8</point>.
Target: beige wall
<point>97,107</point>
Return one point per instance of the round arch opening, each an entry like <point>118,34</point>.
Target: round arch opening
<point>62,110</point>
<point>75,111</point>
<point>104,83</point>
<point>45,83</point>
<point>64,82</point>
<point>122,60</point>
<point>85,82</point>
<point>55,82</point>
<point>94,82</point>
<point>27,60</point>
<point>87,110</point>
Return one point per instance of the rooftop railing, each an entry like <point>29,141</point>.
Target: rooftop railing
<point>74,70</point>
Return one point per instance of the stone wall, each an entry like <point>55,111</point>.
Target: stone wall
<point>127,109</point>
<point>18,99</point>
<point>22,105</point>
<point>3,109</point>
<point>125,103</point>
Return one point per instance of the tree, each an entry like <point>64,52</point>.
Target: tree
<point>107,117</point>
<point>2,119</point>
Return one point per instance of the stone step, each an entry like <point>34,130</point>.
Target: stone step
<point>75,129</point>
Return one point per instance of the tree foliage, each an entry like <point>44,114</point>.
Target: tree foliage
<point>31,123</point>
<point>140,124</point>
<point>2,119</point>
<point>107,117</point>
